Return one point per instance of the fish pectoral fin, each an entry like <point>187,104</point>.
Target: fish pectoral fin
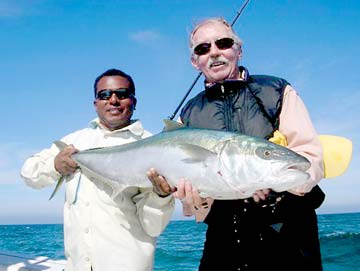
<point>60,144</point>
<point>172,125</point>
<point>196,153</point>
<point>59,182</point>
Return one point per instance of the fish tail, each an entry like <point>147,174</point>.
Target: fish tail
<point>61,145</point>
<point>59,182</point>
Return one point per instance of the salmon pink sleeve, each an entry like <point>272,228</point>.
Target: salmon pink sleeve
<point>296,126</point>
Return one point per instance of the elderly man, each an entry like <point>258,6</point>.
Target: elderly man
<point>104,233</point>
<point>268,231</point>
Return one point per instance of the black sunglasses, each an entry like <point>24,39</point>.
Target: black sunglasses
<point>121,93</point>
<point>222,44</point>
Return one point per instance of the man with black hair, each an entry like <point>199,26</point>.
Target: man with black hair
<point>102,233</point>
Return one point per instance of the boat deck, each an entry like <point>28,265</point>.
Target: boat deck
<point>10,261</point>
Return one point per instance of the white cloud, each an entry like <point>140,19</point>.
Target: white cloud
<point>145,36</point>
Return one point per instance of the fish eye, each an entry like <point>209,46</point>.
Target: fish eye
<point>267,153</point>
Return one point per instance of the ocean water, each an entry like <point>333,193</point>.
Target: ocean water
<point>180,246</point>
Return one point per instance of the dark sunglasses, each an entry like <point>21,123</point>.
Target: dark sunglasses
<point>121,93</point>
<point>222,44</point>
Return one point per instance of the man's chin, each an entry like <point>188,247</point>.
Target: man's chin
<point>218,76</point>
<point>114,124</point>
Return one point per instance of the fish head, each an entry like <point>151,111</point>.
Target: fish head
<point>261,164</point>
<point>282,163</point>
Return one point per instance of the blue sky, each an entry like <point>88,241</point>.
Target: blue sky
<point>51,51</point>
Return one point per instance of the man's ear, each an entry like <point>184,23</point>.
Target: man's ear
<point>239,53</point>
<point>134,103</point>
<point>95,105</point>
<point>194,62</point>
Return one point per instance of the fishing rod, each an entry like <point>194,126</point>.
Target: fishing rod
<point>238,13</point>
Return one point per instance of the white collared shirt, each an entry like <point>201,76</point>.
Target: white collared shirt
<point>100,232</point>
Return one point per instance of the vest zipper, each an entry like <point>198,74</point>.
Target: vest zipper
<point>227,110</point>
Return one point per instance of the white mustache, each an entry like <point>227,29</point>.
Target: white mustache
<point>211,61</point>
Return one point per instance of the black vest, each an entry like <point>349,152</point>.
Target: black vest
<point>250,107</point>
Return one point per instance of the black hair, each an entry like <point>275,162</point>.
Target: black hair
<point>116,72</point>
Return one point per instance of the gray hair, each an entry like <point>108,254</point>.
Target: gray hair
<point>237,40</point>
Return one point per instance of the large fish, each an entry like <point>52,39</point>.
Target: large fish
<point>221,165</point>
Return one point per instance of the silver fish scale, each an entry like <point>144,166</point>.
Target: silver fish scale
<point>221,165</point>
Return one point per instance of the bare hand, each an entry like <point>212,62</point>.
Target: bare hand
<point>191,200</point>
<point>63,162</point>
<point>297,191</point>
<point>261,195</point>
<point>161,186</point>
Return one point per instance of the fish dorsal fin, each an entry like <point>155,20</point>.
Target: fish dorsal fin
<point>196,153</point>
<point>60,144</point>
<point>172,125</point>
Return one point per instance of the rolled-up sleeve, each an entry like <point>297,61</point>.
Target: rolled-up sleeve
<point>154,212</point>
<point>38,171</point>
<point>296,125</point>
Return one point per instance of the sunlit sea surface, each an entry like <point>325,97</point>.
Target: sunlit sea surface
<point>179,248</point>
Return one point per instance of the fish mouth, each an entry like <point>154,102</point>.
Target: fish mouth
<point>298,166</point>
<point>295,174</point>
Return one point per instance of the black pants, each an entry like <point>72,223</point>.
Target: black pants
<point>248,236</point>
